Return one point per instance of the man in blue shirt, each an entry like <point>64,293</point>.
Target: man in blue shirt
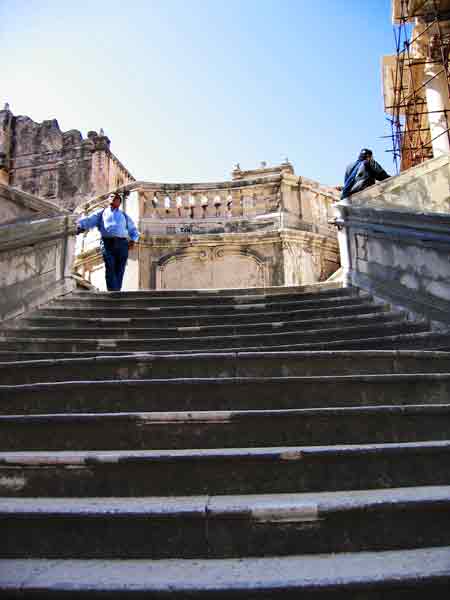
<point>118,233</point>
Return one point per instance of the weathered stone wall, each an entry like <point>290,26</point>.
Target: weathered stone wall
<point>236,260</point>
<point>36,252</point>
<point>398,235</point>
<point>64,167</point>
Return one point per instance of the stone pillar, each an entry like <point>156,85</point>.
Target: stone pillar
<point>438,102</point>
<point>100,162</point>
<point>343,240</point>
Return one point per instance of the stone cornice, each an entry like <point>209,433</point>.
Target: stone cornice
<point>206,186</point>
<point>417,228</point>
<point>247,239</point>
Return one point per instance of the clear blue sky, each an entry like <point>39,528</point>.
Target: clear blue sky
<point>186,88</point>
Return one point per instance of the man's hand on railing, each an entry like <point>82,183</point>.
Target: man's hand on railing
<point>131,244</point>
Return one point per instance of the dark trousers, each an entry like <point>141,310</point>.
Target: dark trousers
<point>115,255</point>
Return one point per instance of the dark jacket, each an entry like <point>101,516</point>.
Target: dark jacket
<point>360,175</point>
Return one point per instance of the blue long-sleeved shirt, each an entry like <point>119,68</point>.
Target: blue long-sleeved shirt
<point>111,223</point>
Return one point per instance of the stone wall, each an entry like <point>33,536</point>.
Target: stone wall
<point>398,240</point>
<point>40,159</point>
<point>236,260</point>
<point>36,252</point>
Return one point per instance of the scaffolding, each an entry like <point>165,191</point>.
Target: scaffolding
<point>418,48</point>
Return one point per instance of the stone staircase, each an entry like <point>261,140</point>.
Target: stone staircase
<point>281,443</point>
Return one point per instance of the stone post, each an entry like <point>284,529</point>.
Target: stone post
<point>343,239</point>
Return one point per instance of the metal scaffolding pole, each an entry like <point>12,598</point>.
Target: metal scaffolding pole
<point>410,130</point>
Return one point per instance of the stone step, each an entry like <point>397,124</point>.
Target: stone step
<point>424,340</point>
<point>315,288</point>
<point>130,309</point>
<point>384,575</point>
<point>284,469</point>
<point>225,526</point>
<point>123,330</point>
<point>283,340</point>
<point>171,300</point>
<point>239,364</point>
<point>233,393</point>
<point>420,341</point>
<point>224,429</point>
<point>37,319</point>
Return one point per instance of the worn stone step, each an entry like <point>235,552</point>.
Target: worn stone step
<point>123,330</point>
<point>223,429</point>
<point>225,526</point>
<point>420,341</point>
<point>384,340</point>
<point>423,340</point>
<point>225,342</point>
<point>138,317</point>
<point>284,469</point>
<point>218,303</point>
<point>170,299</point>
<point>225,364</point>
<point>314,288</point>
<point>131,309</point>
<point>384,575</point>
<point>35,319</point>
<point>233,393</point>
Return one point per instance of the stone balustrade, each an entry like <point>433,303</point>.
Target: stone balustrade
<point>37,241</point>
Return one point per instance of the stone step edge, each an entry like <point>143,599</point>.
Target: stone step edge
<point>179,577</point>
<point>399,338</point>
<point>283,508</point>
<point>90,458</point>
<point>315,288</point>
<point>108,325</point>
<point>227,297</point>
<point>335,379</point>
<point>387,325</point>
<point>37,314</point>
<point>317,302</point>
<point>149,357</point>
<point>225,416</point>
<point>440,338</point>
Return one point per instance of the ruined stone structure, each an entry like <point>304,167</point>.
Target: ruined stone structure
<point>40,159</point>
<point>265,227</point>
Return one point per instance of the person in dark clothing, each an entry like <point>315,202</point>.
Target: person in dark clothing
<point>362,173</point>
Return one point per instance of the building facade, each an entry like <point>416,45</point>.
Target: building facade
<point>264,227</point>
<point>56,165</point>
